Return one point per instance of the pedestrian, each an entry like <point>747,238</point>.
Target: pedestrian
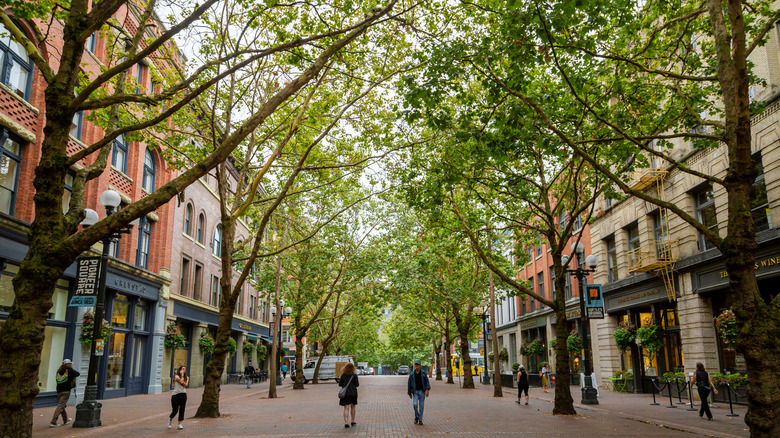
<point>249,373</point>
<point>476,370</point>
<point>703,384</point>
<point>349,380</point>
<point>545,375</point>
<point>522,384</point>
<point>66,380</point>
<point>284,371</point>
<point>179,395</point>
<point>418,387</point>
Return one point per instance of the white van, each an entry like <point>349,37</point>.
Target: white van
<point>329,369</point>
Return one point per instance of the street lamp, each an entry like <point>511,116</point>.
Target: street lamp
<point>485,375</point>
<point>88,411</point>
<point>286,311</point>
<point>589,394</point>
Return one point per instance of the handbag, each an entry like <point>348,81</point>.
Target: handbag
<point>343,391</point>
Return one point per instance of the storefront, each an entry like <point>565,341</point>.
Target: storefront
<point>573,326</point>
<point>642,304</point>
<point>531,330</point>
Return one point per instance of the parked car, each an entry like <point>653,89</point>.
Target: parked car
<point>403,370</point>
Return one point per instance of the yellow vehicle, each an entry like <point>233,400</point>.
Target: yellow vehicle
<point>457,365</point>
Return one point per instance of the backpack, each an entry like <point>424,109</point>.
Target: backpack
<point>72,382</point>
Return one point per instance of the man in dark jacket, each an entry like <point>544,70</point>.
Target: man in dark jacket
<point>249,373</point>
<point>418,388</point>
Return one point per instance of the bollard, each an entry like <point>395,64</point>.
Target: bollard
<point>671,402</point>
<point>679,392</point>
<point>731,407</point>
<point>652,384</point>
<point>690,396</point>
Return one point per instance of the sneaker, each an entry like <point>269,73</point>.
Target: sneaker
<point>180,427</point>
<point>170,424</point>
<point>53,425</point>
<point>420,422</point>
<point>67,422</point>
<point>416,420</point>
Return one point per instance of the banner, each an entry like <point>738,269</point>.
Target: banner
<point>87,282</point>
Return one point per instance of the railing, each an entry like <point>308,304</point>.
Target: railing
<point>642,179</point>
<point>653,254</point>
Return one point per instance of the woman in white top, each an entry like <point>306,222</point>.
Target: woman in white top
<point>179,395</point>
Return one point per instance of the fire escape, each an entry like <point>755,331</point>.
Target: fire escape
<point>659,254</point>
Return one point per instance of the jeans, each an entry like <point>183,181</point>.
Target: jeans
<point>62,401</point>
<point>418,401</point>
<point>178,403</point>
<point>705,407</point>
<point>248,379</point>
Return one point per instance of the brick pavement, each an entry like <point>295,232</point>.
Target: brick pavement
<point>384,410</point>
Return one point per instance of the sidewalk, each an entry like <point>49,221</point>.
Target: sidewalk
<point>384,410</point>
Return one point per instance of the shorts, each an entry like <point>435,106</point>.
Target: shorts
<point>521,390</point>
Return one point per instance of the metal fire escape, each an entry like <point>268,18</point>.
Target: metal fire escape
<point>661,253</point>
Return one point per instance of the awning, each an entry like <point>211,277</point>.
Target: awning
<point>251,337</point>
<point>266,338</point>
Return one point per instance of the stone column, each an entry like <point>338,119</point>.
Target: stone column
<point>197,358</point>
<point>240,362</point>
<point>697,329</point>
<point>163,370</point>
<point>606,358</point>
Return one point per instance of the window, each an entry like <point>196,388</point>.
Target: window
<point>578,222</point>
<point>530,254</point>
<point>538,251</point>
<point>113,247</point>
<point>215,291</point>
<point>552,281</point>
<point>240,306</point>
<point>91,42</point>
<point>139,76</point>
<point>16,66</point>
<point>185,275</point>
<point>531,306</point>
<point>144,238</point>
<point>568,287</point>
<point>216,244</point>
<point>188,220</point>
<point>196,282</point>
<point>251,307</point>
<point>152,86</point>
<point>562,219</point>
<point>704,200</point>
<point>76,124</point>
<point>150,170</point>
<point>661,234</point>
<point>759,205</point>
<point>633,244</point>
<point>540,279</point>
<point>69,177</point>
<point>201,219</point>
<point>611,259</point>
<point>119,154</point>
<point>10,161</point>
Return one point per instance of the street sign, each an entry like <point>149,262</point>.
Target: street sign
<point>595,313</point>
<point>87,282</point>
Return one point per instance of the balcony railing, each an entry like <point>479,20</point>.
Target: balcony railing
<point>642,179</point>
<point>652,255</point>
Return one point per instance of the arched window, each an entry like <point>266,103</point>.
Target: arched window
<point>119,154</point>
<point>201,221</point>
<point>144,240</point>
<point>188,220</point>
<point>150,170</point>
<point>216,244</point>
<point>16,67</point>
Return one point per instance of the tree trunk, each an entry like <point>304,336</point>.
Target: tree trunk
<point>497,391</point>
<point>468,379</point>
<point>437,357</point>
<point>448,359</point>
<point>299,378</point>
<point>209,404</point>
<point>325,348</point>
<point>564,403</point>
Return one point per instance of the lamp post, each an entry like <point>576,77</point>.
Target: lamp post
<point>88,411</point>
<point>286,311</point>
<point>589,394</point>
<point>485,374</point>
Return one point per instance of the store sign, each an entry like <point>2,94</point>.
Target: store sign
<point>87,282</point>
<point>595,313</point>
<point>594,303</point>
<point>244,326</point>
<point>714,279</point>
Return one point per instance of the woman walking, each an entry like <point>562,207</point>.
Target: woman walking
<point>65,378</point>
<point>545,375</point>
<point>349,381</point>
<point>179,395</point>
<point>703,384</point>
<point>522,384</point>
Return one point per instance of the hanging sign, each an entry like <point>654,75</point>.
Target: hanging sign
<point>594,302</point>
<point>87,282</point>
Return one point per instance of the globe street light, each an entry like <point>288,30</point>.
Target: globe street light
<point>286,311</point>
<point>88,411</point>
<point>589,393</point>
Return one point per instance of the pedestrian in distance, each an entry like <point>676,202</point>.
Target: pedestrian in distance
<point>66,380</point>
<point>418,387</point>
<point>703,385</point>
<point>249,373</point>
<point>284,371</point>
<point>349,381</point>
<point>522,384</point>
<point>545,375</point>
<point>179,395</point>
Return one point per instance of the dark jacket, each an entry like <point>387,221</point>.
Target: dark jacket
<point>410,386</point>
<point>249,370</point>
<point>352,388</point>
<point>64,381</point>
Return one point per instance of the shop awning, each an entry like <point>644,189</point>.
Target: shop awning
<point>251,337</point>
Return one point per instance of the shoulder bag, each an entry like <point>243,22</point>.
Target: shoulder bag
<point>343,391</point>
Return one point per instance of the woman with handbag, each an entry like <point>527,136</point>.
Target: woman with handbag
<point>348,394</point>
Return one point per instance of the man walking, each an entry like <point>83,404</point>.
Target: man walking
<point>418,388</point>
<point>249,373</point>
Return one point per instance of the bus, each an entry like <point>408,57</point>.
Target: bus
<point>476,360</point>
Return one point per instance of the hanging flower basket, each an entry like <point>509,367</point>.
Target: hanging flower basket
<point>173,336</point>
<point>624,336</point>
<point>261,351</point>
<point>533,348</point>
<point>726,326</point>
<point>231,345</point>
<point>249,348</point>
<point>206,343</point>
<point>88,325</point>
<point>574,343</point>
<point>650,339</point>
